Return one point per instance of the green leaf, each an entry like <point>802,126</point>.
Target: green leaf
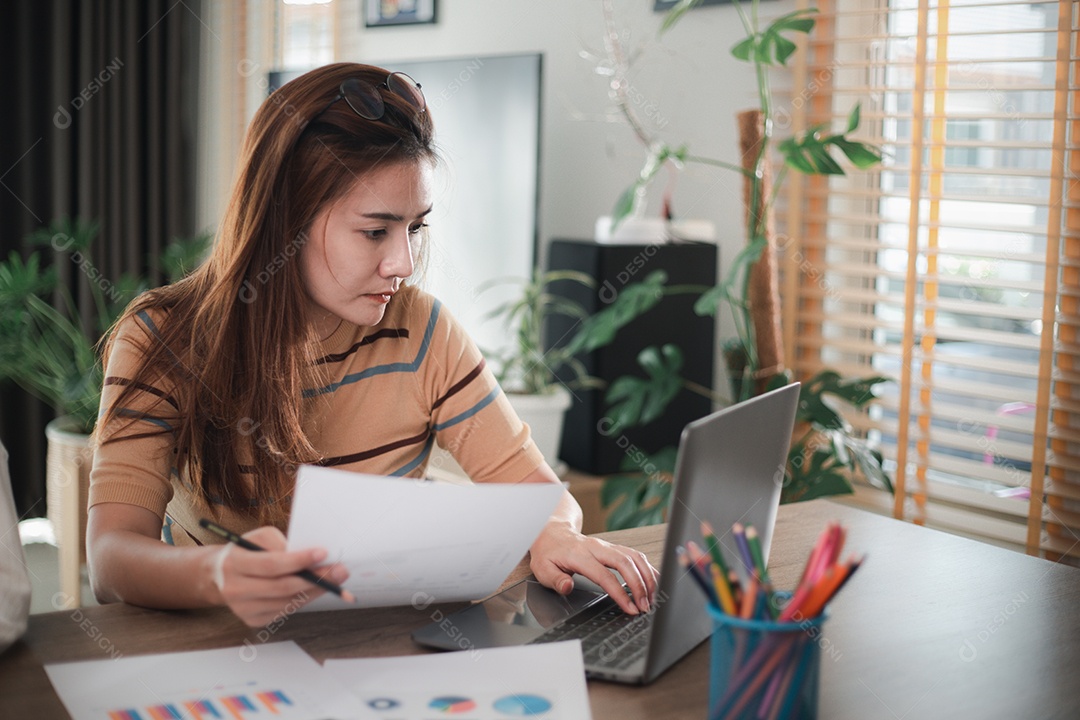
<point>823,162</point>
<point>869,463</point>
<point>19,279</point>
<point>664,459</point>
<point>825,484</point>
<point>622,514</point>
<point>840,449</point>
<point>860,154</point>
<point>641,493</point>
<point>813,409</point>
<point>632,302</point>
<point>638,401</point>
<point>663,368</point>
<point>795,20</point>
<point>65,235</point>
<point>779,380</point>
<point>182,256</point>
<point>743,49</point>
<point>624,206</point>
<point>797,161</point>
<point>857,391</point>
<point>626,399</point>
<point>675,14</point>
<point>810,153</point>
<point>853,118</point>
<point>770,47</point>
<point>617,487</point>
<point>708,303</point>
<point>783,49</point>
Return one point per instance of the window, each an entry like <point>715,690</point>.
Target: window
<point>954,267</point>
<point>306,34</point>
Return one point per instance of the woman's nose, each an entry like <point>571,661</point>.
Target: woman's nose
<point>398,261</point>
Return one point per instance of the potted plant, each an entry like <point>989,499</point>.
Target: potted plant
<point>51,352</point>
<point>826,451</point>
<point>536,372</point>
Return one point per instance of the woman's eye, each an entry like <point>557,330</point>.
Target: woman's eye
<point>374,234</point>
<point>415,229</point>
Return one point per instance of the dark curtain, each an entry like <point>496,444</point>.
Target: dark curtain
<point>100,126</point>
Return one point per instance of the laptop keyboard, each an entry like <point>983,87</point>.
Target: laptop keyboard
<point>609,637</point>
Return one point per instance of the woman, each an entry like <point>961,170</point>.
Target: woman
<point>298,342</point>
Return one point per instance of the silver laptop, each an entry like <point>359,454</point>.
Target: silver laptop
<point>730,468</point>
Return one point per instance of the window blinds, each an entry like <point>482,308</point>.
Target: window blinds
<point>954,267</point>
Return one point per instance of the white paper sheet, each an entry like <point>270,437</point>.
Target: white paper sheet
<point>413,542</point>
<point>276,680</point>
<point>543,681</point>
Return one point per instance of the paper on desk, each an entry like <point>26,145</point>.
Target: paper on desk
<point>546,681</point>
<point>276,679</point>
<point>413,542</point>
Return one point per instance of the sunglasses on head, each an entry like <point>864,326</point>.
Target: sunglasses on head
<point>366,100</point>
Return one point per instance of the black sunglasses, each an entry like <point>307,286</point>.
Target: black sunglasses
<point>367,102</point>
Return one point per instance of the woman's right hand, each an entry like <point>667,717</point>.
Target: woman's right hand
<point>261,586</point>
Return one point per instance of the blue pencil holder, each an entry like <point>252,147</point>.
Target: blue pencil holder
<point>764,669</point>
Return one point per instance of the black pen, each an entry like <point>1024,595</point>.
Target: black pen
<point>305,574</point>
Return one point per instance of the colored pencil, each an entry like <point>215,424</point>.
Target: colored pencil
<point>712,544</point>
<point>739,532</point>
<point>754,543</point>
<point>815,552</point>
<point>727,602</point>
<point>684,562</point>
<point>710,571</point>
<point>782,690</point>
<point>771,674</point>
<point>749,600</point>
<point>791,692</point>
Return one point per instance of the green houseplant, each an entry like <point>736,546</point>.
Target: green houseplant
<point>49,348</point>
<point>531,366</point>
<point>826,452</point>
<point>51,351</point>
<point>536,370</point>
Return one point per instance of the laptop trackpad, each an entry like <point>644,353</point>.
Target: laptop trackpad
<point>513,617</point>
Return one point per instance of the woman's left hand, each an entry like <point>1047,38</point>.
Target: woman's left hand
<point>561,551</point>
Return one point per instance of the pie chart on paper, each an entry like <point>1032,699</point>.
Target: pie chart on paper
<point>452,704</point>
<point>522,705</point>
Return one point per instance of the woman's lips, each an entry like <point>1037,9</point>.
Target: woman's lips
<point>380,297</point>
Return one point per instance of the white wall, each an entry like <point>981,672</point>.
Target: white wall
<point>688,85</point>
<point>690,89</point>
<point>689,80</point>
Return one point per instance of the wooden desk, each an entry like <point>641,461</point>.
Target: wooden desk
<point>933,626</point>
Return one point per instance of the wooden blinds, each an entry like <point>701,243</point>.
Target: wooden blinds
<point>954,267</point>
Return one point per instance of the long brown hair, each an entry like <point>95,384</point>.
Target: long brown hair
<point>233,339</point>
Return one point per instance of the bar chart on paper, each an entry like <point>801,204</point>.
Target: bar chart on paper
<point>263,703</point>
<point>277,681</point>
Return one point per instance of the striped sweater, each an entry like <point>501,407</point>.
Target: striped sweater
<point>392,390</point>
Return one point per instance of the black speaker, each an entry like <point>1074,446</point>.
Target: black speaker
<point>588,442</point>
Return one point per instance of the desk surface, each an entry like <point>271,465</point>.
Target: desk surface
<point>932,626</point>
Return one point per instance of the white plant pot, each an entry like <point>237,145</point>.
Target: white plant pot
<point>67,484</point>
<point>544,415</point>
<point>653,230</point>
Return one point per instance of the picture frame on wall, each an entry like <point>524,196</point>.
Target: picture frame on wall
<point>383,13</point>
